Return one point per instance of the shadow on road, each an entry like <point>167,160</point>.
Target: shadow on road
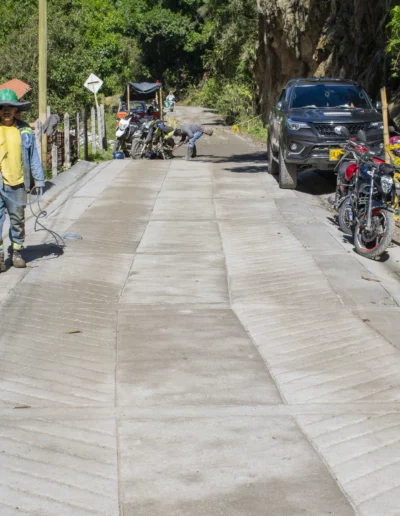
<point>33,253</point>
<point>315,182</point>
<point>251,157</point>
<point>248,170</point>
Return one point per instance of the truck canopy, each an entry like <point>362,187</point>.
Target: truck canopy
<point>140,90</point>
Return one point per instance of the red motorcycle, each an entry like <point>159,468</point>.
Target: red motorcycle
<point>365,196</point>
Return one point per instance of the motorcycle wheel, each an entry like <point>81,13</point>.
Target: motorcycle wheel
<point>345,224</point>
<point>137,149</point>
<point>372,244</point>
<point>167,153</point>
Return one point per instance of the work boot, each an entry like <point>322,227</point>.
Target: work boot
<point>3,267</point>
<point>189,154</point>
<point>16,258</point>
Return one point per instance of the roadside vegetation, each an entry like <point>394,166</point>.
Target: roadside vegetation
<point>202,49</point>
<point>394,42</point>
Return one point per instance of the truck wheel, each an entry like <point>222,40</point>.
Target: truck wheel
<point>273,167</point>
<point>287,174</point>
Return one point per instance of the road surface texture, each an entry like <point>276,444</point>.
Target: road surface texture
<point>211,346</point>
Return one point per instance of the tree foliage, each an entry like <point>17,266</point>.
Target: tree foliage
<point>394,42</point>
<point>175,41</point>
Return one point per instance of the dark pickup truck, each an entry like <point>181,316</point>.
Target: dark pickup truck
<point>304,126</point>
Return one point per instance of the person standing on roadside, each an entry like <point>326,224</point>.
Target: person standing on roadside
<point>19,164</point>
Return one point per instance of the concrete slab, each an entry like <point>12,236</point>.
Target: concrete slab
<point>64,467</point>
<point>181,237</point>
<point>221,466</point>
<point>352,282</point>
<point>177,278</point>
<point>385,321</point>
<point>184,209</point>
<point>182,190</point>
<point>197,356</point>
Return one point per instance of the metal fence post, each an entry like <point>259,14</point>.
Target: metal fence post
<point>93,113</point>
<point>85,135</point>
<point>38,137</point>
<point>77,134</point>
<point>67,153</point>
<point>54,160</point>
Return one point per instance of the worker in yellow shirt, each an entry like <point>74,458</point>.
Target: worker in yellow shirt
<point>19,164</point>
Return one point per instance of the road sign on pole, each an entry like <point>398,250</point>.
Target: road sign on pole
<point>93,84</point>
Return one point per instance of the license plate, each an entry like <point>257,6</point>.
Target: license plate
<point>334,154</point>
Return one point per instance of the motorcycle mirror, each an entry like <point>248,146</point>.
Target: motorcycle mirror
<point>115,109</point>
<point>362,136</point>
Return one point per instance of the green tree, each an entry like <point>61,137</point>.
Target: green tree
<point>394,42</point>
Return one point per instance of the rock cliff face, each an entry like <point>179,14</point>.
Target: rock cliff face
<point>322,38</point>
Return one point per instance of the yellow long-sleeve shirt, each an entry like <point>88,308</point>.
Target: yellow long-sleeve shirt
<point>11,155</point>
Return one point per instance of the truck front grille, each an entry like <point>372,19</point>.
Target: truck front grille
<point>329,129</point>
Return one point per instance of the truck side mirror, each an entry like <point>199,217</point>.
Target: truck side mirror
<point>378,105</point>
<point>279,106</point>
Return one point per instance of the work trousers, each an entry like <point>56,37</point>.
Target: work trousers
<point>15,212</point>
<point>196,136</point>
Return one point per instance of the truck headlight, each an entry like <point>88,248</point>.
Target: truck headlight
<point>376,125</point>
<point>296,126</point>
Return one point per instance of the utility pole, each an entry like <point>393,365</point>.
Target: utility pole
<point>43,72</point>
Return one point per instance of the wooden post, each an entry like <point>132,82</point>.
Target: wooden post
<point>77,135</point>
<point>103,127</point>
<point>161,104</point>
<point>99,129</point>
<point>93,116</point>
<point>85,136</point>
<point>67,147</point>
<point>38,138</point>
<point>54,159</point>
<point>385,112</point>
<point>43,74</point>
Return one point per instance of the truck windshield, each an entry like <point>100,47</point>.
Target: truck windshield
<point>329,95</point>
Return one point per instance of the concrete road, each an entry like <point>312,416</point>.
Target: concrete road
<point>211,346</point>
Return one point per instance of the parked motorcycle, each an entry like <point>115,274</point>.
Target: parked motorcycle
<point>127,129</point>
<point>144,138</point>
<point>365,195</point>
<point>155,142</point>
